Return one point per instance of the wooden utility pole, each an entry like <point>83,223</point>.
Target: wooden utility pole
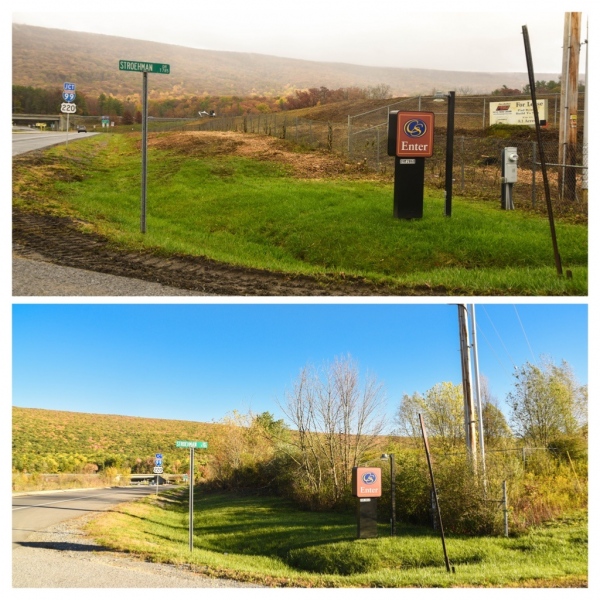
<point>469,406</point>
<point>567,141</point>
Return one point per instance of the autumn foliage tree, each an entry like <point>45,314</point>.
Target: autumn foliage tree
<point>442,409</point>
<point>547,403</point>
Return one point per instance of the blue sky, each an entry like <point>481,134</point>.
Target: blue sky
<point>200,361</point>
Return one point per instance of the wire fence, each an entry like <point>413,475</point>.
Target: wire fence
<point>477,158</point>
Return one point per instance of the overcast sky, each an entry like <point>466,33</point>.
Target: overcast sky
<point>375,32</point>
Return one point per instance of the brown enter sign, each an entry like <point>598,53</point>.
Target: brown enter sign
<point>366,482</point>
<point>415,134</point>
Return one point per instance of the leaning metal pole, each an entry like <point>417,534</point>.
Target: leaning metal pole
<point>437,504</point>
<point>536,116</point>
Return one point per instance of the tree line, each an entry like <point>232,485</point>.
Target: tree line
<point>27,99</point>
<point>336,419</point>
<point>541,87</point>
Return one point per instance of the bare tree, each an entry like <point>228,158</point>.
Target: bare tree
<point>338,419</point>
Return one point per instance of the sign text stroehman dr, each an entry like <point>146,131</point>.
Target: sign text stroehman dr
<point>181,444</point>
<point>144,67</point>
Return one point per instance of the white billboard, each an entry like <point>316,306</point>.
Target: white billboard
<point>517,112</point>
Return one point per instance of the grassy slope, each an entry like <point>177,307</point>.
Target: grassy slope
<point>253,213</point>
<point>267,541</point>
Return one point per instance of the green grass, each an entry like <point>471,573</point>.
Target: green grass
<point>253,213</point>
<point>266,540</point>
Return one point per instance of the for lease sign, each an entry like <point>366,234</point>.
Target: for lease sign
<point>517,112</point>
<point>414,136</point>
<point>366,482</point>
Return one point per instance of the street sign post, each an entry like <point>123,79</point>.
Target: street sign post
<point>67,106</point>
<point>144,68</point>
<point>182,444</point>
<point>192,446</point>
<point>158,468</point>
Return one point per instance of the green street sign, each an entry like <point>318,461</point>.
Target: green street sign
<point>141,67</point>
<point>181,444</point>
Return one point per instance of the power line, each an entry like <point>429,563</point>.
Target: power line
<point>480,331</point>
<point>523,330</point>
<point>500,338</point>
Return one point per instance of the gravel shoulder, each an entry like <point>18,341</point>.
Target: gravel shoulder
<point>62,556</point>
<point>59,241</point>
<point>40,278</point>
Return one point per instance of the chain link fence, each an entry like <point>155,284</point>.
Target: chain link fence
<point>477,157</point>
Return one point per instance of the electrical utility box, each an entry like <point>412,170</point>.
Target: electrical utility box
<point>509,176</point>
<point>509,165</point>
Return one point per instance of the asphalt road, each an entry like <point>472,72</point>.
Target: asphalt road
<point>50,549</point>
<point>35,512</point>
<point>27,140</point>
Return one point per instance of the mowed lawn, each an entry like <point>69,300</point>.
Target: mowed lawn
<point>267,541</point>
<point>255,213</point>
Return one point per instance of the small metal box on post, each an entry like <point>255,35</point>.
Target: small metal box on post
<point>410,140</point>
<point>366,486</point>
<point>509,176</point>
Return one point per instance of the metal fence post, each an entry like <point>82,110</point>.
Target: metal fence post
<point>350,136</point>
<point>483,122</point>
<point>505,503</point>
<point>533,171</point>
<point>462,164</point>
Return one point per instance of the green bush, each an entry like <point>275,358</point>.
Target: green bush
<point>412,489</point>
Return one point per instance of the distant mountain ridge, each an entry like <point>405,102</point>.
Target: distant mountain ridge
<point>46,58</point>
<point>42,432</point>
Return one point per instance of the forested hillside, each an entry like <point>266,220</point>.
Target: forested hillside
<point>47,58</point>
<point>57,441</point>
